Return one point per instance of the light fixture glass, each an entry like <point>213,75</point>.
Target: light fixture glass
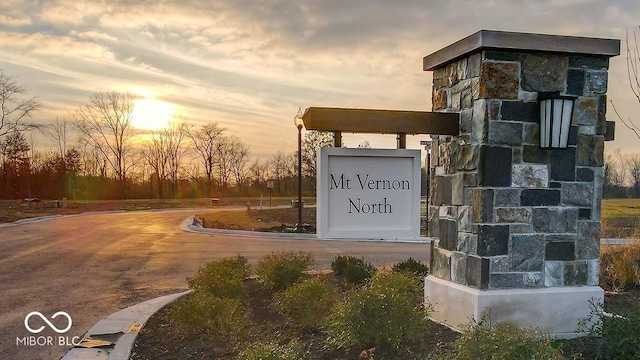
<point>297,120</point>
<point>555,120</point>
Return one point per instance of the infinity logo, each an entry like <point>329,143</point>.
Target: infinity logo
<point>53,327</point>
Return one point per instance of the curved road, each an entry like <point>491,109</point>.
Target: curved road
<point>93,265</point>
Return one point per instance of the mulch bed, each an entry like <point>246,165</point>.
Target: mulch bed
<point>162,338</point>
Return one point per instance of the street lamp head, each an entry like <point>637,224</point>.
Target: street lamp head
<point>297,120</point>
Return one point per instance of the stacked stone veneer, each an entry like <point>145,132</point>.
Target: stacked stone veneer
<point>503,212</point>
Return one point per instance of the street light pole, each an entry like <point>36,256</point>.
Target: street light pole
<point>427,147</point>
<point>298,122</point>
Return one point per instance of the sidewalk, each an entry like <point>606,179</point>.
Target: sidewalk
<point>113,337</point>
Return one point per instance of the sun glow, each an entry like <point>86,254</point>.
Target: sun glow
<point>152,114</point>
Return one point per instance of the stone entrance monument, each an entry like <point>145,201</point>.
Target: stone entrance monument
<point>515,177</point>
<point>516,227</point>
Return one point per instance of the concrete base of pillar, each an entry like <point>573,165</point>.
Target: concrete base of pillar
<point>555,311</point>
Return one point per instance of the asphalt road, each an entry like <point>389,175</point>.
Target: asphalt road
<point>90,266</point>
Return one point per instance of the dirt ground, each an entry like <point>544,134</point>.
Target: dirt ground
<point>267,220</point>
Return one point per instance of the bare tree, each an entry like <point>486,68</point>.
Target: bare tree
<point>278,168</point>
<point>223,161</point>
<point>155,154</point>
<point>291,165</point>
<point>633,62</point>
<point>91,160</point>
<point>105,123</point>
<point>207,142</point>
<point>259,171</point>
<point>283,167</point>
<point>59,131</point>
<point>238,157</point>
<point>177,149</point>
<point>191,171</point>
<point>633,76</point>
<point>163,152</point>
<point>620,176</point>
<point>313,140</point>
<point>615,174</point>
<point>364,145</point>
<point>15,108</point>
<point>607,174</point>
<point>633,166</point>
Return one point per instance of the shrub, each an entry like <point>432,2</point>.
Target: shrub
<point>202,312</point>
<point>413,266</point>
<point>307,303</point>
<point>501,342</point>
<point>351,269</point>
<point>388,311</point>
<point>621,266</point>
<point>223,278</point>
<point>279,271</point>
<point>269,351</point>
<point>620,338</point>
<point>617,336</point>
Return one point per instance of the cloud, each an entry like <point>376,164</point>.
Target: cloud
<point>94,36</point>
<point>13,21</point>
<point>254,62</point>
<point>63,12</point>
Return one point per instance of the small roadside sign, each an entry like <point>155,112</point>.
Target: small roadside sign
<point>270,187</point>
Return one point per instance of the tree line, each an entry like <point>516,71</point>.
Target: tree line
<point>621,174</point>
<point>99,154</point>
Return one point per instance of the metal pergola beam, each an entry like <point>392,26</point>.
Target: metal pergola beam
<point>380,121</point>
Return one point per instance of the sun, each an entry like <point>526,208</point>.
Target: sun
<point>152,114</point>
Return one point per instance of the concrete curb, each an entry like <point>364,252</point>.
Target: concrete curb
<point>112,338</point>
<point>189,226</point>
<point>612,241</point>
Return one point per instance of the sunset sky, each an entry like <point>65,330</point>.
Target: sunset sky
<point>249,64</point>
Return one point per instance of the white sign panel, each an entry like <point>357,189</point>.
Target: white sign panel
<point>368,193</point>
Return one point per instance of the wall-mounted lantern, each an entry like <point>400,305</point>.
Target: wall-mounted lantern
<point>555,120</point>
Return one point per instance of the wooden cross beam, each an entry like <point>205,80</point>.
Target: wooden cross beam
<point>339,120</point>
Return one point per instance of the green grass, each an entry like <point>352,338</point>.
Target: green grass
<point>620,208</point>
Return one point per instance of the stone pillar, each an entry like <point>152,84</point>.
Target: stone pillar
<point>516,228</point>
